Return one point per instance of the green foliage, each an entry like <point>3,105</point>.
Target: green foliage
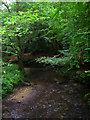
<point>54,61</point>
<point>46,27</point>
<point>87,96</point>
<point>39,43</point>
<point>11,76</point>
<point>83,77</point>
<point>31,25</point>
<point>72,29</point>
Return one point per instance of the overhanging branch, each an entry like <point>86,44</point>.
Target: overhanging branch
<point>6,6</point>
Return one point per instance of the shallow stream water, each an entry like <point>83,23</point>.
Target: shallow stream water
<point>49,96</point>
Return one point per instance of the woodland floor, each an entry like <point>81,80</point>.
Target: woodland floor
<point>45,98</point>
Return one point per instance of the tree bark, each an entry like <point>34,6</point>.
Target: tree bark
<point>20,54</point>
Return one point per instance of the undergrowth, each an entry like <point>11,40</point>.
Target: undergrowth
<point>11,77</point>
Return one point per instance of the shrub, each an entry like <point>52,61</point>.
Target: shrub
<point>11,76</point>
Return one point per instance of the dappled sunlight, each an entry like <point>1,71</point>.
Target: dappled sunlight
<point>21,94</point>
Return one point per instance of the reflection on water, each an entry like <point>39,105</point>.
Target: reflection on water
<point>46,98</point>
<point>44,76</point>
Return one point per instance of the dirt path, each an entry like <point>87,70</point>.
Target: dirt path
<point>45,98</point>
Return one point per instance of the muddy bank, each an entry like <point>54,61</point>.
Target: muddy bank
<point>46,98</point>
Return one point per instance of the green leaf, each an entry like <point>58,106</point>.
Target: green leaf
<point>77,66</point>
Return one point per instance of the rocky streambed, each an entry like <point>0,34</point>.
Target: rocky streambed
<point>48,96</point>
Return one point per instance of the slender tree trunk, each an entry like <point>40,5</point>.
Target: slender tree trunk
<point>20,53</point>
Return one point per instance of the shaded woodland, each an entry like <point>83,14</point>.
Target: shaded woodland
<point>53,36</point>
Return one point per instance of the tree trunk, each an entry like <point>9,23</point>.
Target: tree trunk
<point>20,52</point>
<point>20,55</point>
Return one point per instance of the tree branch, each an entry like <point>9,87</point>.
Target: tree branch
<point>6,6</point>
